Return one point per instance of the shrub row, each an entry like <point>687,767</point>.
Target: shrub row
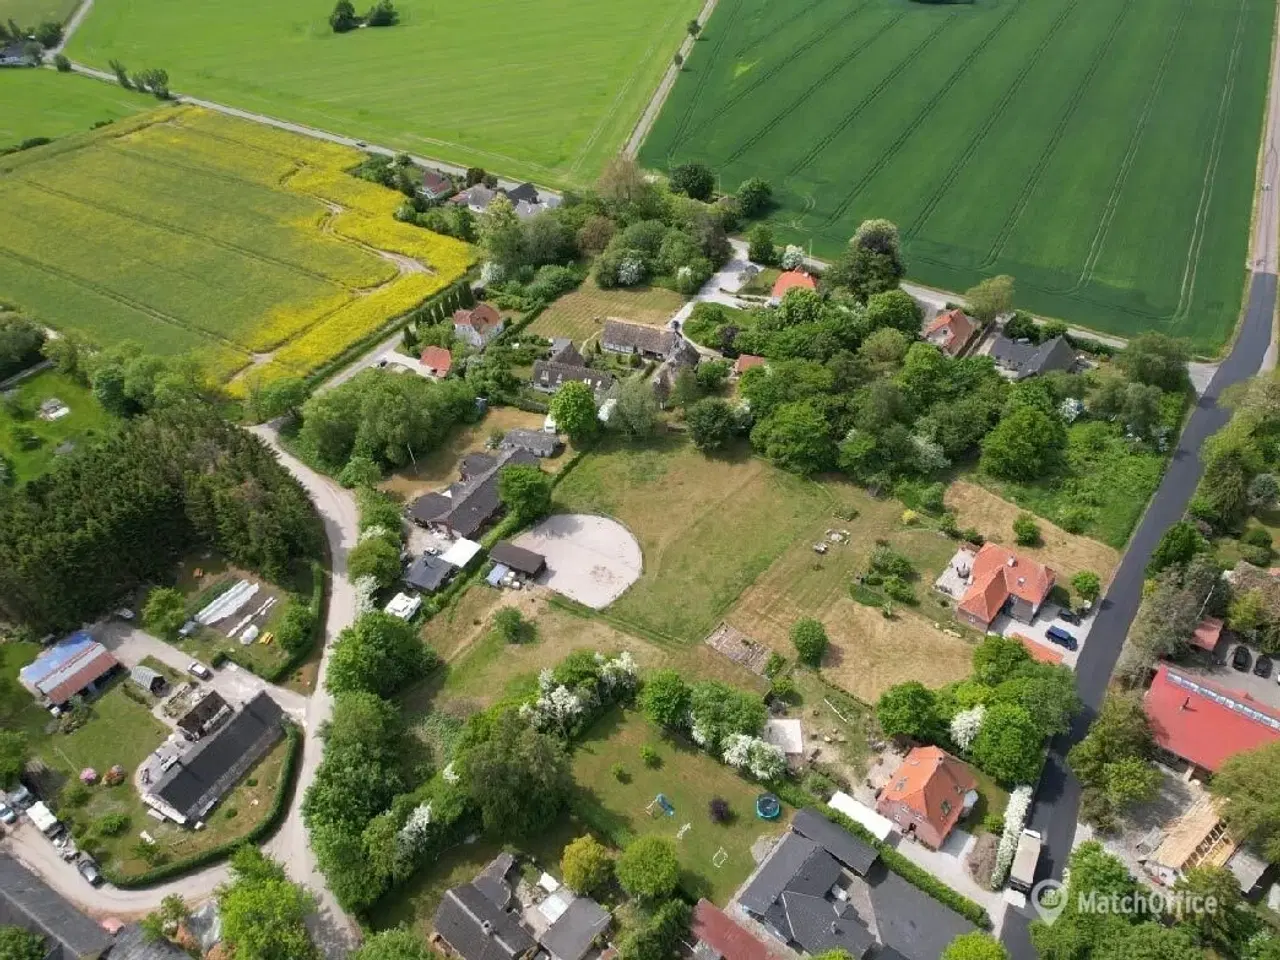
<point>279,806</point>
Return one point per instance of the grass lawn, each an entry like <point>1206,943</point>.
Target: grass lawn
<point>580,314</point>
<point>868,653</point>
<point>287,272</point>
<point>992,798</point>
<point>708,527</point>
<point>690,779</point>
<point>29,13</point>
<point>1103,477</point>
<point>86,420</point>
<point>1101,152</point>
<point>542,89</point>
<point>42,103</point>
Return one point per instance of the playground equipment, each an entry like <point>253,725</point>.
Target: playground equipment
<point>768,807</point>
<point>683,830</point>
<point>719,858</point>
<point>660,801</point>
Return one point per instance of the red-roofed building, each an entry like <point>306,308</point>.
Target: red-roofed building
<point>713,927</point>
<point>1039,651</point>
<point>438,361</point>
<point>790,280</point>
<point>478,325</point>
<point>950,332</point>
<point>1207,634</point>
<point>745,362</point>
<point>1202,724</point>
<point>1001,581</point>
<point>928,795</point>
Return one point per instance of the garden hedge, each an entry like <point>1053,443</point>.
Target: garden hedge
<point>268,825</point>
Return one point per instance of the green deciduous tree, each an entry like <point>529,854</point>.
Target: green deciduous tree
<point>990,298</point>
<point>665,699</point>
<point>517,776</point>
<point>14,751</point>
<point>1009,745</point>
<point>1026,532</point>
<point>343,17</point>
<point>18,944</point>
<point>760,248</point>
<point>586,865</point>
<point>809,637</point>
<point>1156,360</point>
<point>1179,544</point>
<point>502,235</point>
<point>1025,445</point>
<point>712,423</point>
<point>648,868</point>
<point>909,710</point>
<point>398,943</point>
<point>263,914</point>
<point>1087,584</point>
<point>574,410</point>
<point>526,492</point>
<point>754,196</point>
<point>377,557</point>
<point>377,654</point>
<point>975,946</point>
<point>636,414</point>
<point>797,437</point>
<point>693,180</point>
<point>1247,785</point>
<point>165,611</point>
<point>895,309</point>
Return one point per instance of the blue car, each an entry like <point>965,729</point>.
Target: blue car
<point>1061,637</point>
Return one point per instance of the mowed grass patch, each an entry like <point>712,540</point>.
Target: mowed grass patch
<point>549,91</point>
<point>29,13</point>
<point>1101,152</point>
<point>1066,553</point>
<point>188,231</point>
<point>42,103</point>
<point>707,527</point>
<point>690,779</point>
<point>86,421</point>
<point>581,314</point>
<point>869,653</point>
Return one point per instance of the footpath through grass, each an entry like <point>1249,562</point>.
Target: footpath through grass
<point>1100,151</point>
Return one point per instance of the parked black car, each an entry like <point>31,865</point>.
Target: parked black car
<point>1061,637</point>
<point>1241,658</point>
<point>1069,616</point>
<point>1262,666</point>
<point>88,868</point>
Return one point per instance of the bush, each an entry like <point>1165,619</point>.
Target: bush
<point>810,640</point>
<point>511,626</point>
<point>1026,531</point>
<point>74,795</point>
<point>719,811</point>
<point>819,784</point>
<point>1257,537</point>
<point>62,63</point>
<point>889,562</point>
<point>112,824</point>
<point>619,773</point>
<point>585,865</point>
<point>649,757</point>
<point>784,688</point>
<point>648,869</point>
<point>895,588</point>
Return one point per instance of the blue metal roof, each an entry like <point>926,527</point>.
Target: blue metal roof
<point>55,658</point>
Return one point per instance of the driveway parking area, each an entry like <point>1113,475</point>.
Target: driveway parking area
<point>1264,690</point>
<point>1006,626</point>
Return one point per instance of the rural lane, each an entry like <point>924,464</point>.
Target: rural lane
<point>332,929</point>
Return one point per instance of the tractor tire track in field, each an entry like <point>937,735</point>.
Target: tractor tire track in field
<point>893,148</point>
<point>124,301</point>
<point>1042,162</point>
<point>818,36</point>
<point>791,107</point>
<point>1192,267</point>
<point>825,141</point>
<point>185,232</point>
<point>1131,153</point>
<point>683,126</point>
<point>995,114</point>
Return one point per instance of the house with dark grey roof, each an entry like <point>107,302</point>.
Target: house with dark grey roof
<point>517,558</point>
<point>652,343</point>
<point>132,944</point>
<point>475,198</point>
<point>208,771</point>
<point>532,441</point>
<point>840,843</point>
<point>208,713</point>
<point>575,931</point>
<point>525,192</point>
<point>468,506</point>
<point>29,903</point>
<point>428,573</point>
<point>563,351</point>
<point>476,919</point>
<point>1020,359</point>
<point>549,376</point>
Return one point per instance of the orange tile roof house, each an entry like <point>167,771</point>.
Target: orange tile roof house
<point>1207,634</point>
<point>1000,581</point>
<point>790,280</point>
<point>950,332</point>
<point>478,325</point>
<point>438,361</point>
<point>929,794</point>
<point>745,362</point>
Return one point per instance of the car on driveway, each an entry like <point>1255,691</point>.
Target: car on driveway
<point>7,814</point>
<point>1262,666</point>
<point>1241,658</point>
<point>1069,616</point>
<point>1060,637</point>
<point>198,669</point>
<point>88,868</point>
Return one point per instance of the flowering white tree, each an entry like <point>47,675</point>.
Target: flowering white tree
<point>366,590</point>
<point>557,706</point>
<point>414,832</point>
<point>619,675</point>
<point>761,759</point>
<point>965,726</point>
<point>492,273</point>
<point>630,271</point>
<point>450,773</point>
<point>1015,816</point>
<point>377,530</point>
<point>696,732</point>
<point>792,257</point>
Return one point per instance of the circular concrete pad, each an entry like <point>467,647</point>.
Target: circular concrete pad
<point>589,559</point>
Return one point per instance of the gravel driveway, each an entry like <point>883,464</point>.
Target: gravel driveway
<point>589,559</point>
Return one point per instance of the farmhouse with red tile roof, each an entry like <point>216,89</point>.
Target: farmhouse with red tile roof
<point>950,332</point>
<point>1000,581</point>
<point>928,795</point>
<point>789,281</point>
<point>478,325</point>
<point>745,362</point>
<point>1203,724</point>
<point>438,361</point>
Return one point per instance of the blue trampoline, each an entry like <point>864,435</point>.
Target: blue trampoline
<point>768,807</point>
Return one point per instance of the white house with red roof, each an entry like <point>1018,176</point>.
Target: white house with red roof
<point>478,325</point>
<point>950,332</point>
<point>993,581</point>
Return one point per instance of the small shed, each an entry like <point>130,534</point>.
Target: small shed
<point>519,559</point>
<point>152,681</point>
<point>461,553</point>
<point>878,826</point>
<point>787,735</point>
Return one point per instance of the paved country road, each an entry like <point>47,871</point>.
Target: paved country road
<point>332,930</point>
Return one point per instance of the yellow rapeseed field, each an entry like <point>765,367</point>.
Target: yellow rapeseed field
<point>191,231</point>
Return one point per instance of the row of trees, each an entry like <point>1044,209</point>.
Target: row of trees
<point>1000,717</point>
<point>1241,459</point>
<point>114,515</point>
<point>343,18</point>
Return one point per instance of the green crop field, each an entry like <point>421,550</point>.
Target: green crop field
<point>41,103</point>
<point>543,89</point>
<point>1100,151</point>
<point>29,13</point>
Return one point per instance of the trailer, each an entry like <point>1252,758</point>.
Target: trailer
<point>1023,875</point>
